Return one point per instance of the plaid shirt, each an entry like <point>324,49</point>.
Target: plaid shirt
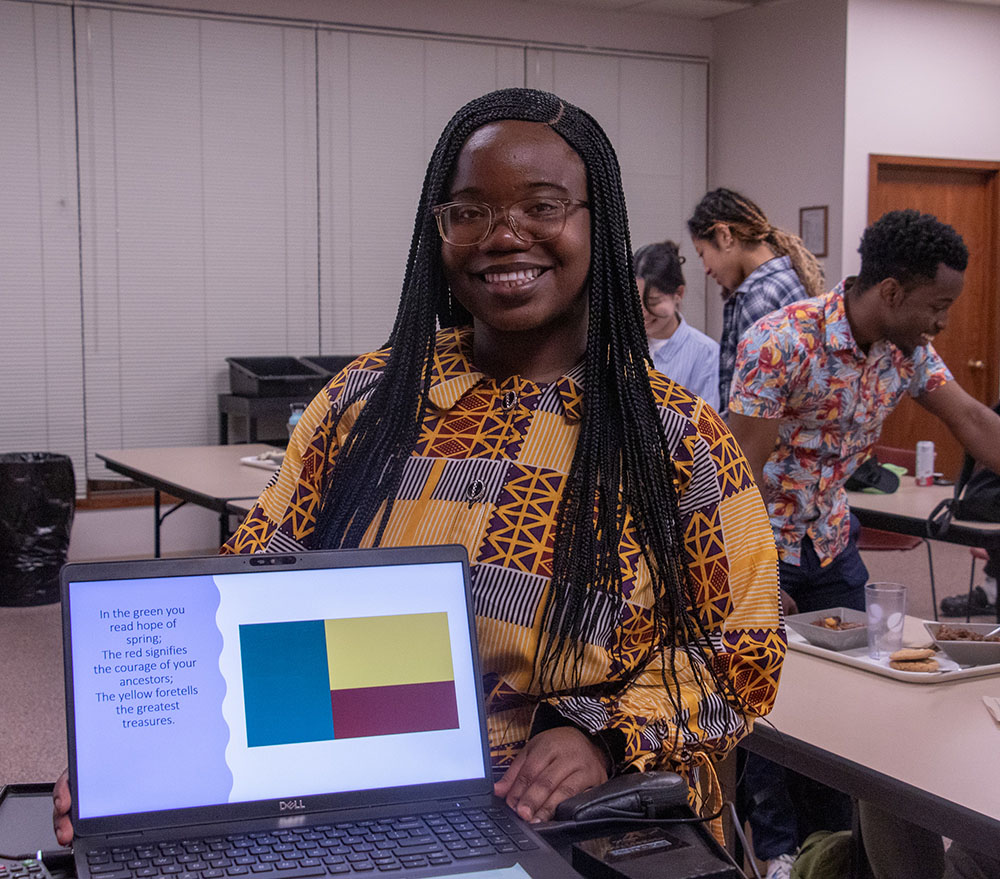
<point>488,472</point>
<point>802,365</point>
<point>767,288</point>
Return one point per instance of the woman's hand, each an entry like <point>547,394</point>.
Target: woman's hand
<point>61,800</point>
<point>553,766</point>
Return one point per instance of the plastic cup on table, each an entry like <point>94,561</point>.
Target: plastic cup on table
<point>885,606</point>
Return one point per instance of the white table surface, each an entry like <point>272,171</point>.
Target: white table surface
<point>208,471</point>
<point>913,502</point>
<point>930,750</point>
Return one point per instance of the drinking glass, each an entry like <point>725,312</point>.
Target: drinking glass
<point>885,605</point>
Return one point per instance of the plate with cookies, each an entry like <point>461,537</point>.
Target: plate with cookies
<point>919,661</point>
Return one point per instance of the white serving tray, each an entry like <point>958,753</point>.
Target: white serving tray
<point>264,461</point>
<point>858,657</point>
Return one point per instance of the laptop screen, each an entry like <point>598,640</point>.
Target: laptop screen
<point>321,673</point>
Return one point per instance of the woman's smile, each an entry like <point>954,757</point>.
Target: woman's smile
<point>516,278</point>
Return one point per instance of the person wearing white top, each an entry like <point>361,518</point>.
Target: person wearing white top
<point>679,351</point>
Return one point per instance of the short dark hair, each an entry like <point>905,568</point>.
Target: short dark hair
<point>659,265</point>
<point>909,246</point>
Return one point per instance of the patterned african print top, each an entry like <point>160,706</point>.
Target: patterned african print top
<point>802,365</point>
<point>488,473</point>
<point>767,288</point>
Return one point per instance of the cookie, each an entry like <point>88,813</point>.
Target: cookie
<point>909,654</point>
<point>917,665</point>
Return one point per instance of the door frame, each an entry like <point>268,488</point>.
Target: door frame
<point>988,174</point>
<point>991,169</point>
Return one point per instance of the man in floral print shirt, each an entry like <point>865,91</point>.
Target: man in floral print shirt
<point>816,379</point>
<point>813,383</point>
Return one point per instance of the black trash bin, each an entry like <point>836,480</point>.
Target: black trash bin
<point>37,500</point>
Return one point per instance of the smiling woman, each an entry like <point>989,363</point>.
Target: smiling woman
<point>678,350</point>
<point>622,566</point>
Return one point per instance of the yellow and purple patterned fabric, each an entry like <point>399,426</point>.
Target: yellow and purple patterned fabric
<point>802,365</point>
<point>488,473</point>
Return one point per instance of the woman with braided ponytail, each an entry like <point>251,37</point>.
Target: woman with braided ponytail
<point>624,573</point>
<point>759,267</point>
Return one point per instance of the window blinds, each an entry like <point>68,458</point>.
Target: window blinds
<point>41,364</point>
<point>198,194</point>
<point>248,188</point>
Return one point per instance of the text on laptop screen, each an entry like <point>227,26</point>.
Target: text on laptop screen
<point>201,690</point>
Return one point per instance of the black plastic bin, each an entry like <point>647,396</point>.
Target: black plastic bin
<point>37,501</point>
<point>274,377</point>
<point>328,364</point>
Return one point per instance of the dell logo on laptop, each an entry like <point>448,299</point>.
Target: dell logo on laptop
<point>290,805</point>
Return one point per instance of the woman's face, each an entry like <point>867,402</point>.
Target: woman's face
<point>659,309</point>
<point>507,284</point>
<point>721,257</point>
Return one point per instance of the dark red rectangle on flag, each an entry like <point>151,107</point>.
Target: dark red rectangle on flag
<point>398,708</point>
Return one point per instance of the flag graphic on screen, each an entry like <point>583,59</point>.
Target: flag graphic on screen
<point>317,680</point>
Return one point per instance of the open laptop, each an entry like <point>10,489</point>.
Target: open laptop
<point>306,714</point>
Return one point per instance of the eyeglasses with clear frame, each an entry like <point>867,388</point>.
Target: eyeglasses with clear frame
<point>468,223</point>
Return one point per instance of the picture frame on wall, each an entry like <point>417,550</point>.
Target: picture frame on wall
<point>813,228</point>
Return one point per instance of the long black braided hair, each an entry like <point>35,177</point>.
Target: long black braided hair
<point>621,465</point>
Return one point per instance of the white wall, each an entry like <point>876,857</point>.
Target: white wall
<point>923,79</point>
<point>776,120</point>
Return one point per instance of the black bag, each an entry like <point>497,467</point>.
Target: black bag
<point>872,474</point>
<point>977,497</point>
<point>37,500</point>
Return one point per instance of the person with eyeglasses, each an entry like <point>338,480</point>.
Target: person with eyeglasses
<point>623,569</point>
<point>678,350</point>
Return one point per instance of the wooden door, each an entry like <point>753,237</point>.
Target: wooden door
<point>965,194</point>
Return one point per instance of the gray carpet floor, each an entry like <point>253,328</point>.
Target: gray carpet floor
<point>32,713</point>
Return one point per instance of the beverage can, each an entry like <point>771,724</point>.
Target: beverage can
<point>925,463</point>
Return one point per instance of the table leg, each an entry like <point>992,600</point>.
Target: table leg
<point>159,519</point>
<point>223,527</point>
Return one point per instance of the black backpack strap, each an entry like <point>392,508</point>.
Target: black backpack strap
<point>968,465</point>
<point>939,521</point>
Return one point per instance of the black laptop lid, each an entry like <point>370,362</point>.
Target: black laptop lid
<point>228,687</point>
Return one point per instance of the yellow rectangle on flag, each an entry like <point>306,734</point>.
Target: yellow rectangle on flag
<point>409,648</point>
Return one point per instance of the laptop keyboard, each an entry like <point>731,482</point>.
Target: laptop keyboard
<point>373,847</point>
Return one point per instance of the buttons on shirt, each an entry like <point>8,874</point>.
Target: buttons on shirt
<point>475,491</point>
<point>509,400</point>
